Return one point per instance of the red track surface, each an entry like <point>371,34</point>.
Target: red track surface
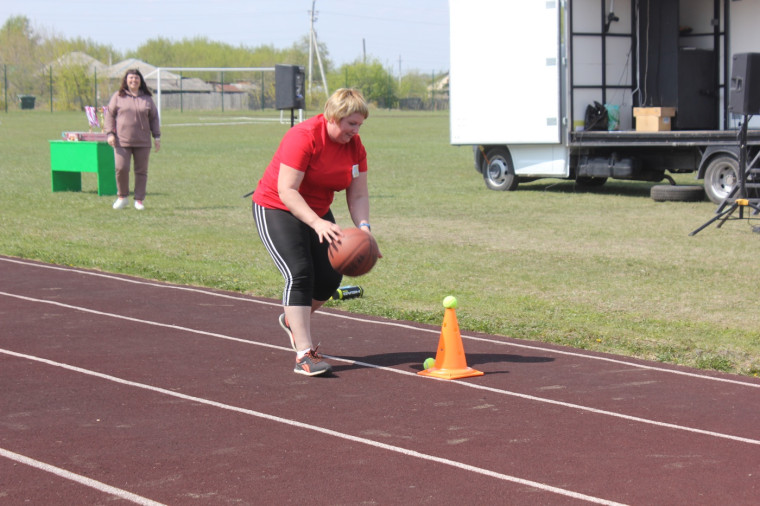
<point>117,389</point>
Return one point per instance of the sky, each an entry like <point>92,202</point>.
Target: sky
<point>403,35</point>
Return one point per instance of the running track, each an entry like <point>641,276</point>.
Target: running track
<point>118,390</point>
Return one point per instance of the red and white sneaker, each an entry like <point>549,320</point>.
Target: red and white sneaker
<point>312,364</point>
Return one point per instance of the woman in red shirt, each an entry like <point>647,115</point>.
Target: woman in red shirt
<point>291,207</point>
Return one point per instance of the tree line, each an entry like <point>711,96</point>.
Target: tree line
<point>27,57</point>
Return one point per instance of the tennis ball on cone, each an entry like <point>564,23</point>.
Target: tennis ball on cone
<point>450,302</point>
<point>428,363</point>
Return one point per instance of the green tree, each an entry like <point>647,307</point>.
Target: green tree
<point>160,52</point>
<point>74,64</point>
<point>57,47</point>
<point>74,87</point>
<point>18,50</point>
<point>414,90</point>
<point>372,79</point>
<point>414,85</point>
<point>18,42</point>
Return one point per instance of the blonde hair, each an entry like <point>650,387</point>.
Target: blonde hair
<point>345,102</point>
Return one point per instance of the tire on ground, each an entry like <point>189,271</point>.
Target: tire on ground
<point>677,193</point>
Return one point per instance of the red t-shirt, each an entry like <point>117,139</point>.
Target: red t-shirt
<point>329,167</point>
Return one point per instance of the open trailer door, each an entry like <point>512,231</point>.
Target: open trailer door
<point>505,72</point>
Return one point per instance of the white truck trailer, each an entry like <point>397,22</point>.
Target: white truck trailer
<point>524,73</point>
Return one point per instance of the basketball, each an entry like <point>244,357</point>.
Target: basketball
<point>354,254</point>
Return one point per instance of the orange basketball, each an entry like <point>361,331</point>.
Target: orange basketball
<point>354,254</point>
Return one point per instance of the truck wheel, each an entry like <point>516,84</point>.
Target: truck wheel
<point>498,171</point>
<point>721,175</point>
<point>677,193</point>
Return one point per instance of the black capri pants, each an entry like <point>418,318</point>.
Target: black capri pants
<point>301,258</point>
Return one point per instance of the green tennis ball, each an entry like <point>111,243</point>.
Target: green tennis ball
<point>450,302</point>
<point>428,363</point>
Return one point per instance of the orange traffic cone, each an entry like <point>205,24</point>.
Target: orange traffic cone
<point>450,362</point>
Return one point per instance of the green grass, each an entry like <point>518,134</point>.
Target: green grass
<point>608,270</point>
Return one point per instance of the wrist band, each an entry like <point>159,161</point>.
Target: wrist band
<point>365,225</point>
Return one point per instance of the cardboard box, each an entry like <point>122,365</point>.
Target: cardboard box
<point>653,119</point>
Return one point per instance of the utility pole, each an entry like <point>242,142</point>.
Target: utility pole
<point>314,48</point>
<point>312,13</point>
<point>319,61</point>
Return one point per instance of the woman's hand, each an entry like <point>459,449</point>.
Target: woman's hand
<point>288,182</point>
<point>367,230</point>
<point>326,230</point>
<point>111,140</point>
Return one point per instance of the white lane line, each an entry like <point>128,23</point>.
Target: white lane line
<point>294,423</point>
<point>97,485</point>
<point>389,324</point>
<point>398,371</point>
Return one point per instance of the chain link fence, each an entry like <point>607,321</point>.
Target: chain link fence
<point>72,87</point>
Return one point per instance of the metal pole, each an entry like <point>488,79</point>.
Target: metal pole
<point>726,60</point>
<point>390,85</point>
<point>222,79</point>
<point>743,158</point>
<point>5,84</point>
<point>604,55</point>
<point>51,88</point>
<point>311,46</point>
<point>432,93</point>
<point>319,61</point>
<point>158,92</point>
<point>181,94</point>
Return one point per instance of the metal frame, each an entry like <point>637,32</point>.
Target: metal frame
<point>716,34</point>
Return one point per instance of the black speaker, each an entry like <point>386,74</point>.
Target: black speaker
<point>744,91</point>
<point>289,87</point>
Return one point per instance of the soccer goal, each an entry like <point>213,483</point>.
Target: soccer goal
<point>224,89</point>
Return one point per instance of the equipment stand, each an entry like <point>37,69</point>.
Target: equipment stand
<point>741,201</point>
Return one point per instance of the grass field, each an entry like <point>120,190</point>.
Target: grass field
<point>608,269</point>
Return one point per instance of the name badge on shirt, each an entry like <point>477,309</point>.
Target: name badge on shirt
<point>355,171</point>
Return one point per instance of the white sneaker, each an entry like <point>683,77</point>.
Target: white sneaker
<point>121,203</point>
<point>139,205</point>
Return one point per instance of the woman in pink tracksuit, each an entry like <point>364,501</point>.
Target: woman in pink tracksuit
<point>131,121</point>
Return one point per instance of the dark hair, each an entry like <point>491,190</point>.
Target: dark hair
<point>143,86</point>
